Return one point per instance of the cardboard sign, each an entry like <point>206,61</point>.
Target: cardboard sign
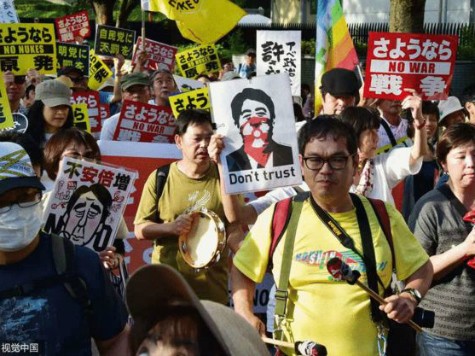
<point>91,99</point>
<point>279,52</point>
<point>399,61</point>
<point>8,12</point>
<point>73,55</point>
<point>186,84</point>
<point>87,202</point>
<point>193,99</point>
<point>71,26</point>
<point>201,59</point>
<point>28,46</point>
<point>81,117</point>
<point>110,41</point>
<point>159,55</point>
<point>99,72</point>
<point>141,122</point>
<point>6,118</point>
<point>261,151</point>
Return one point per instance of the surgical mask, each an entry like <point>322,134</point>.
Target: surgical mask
<point>19,226</point>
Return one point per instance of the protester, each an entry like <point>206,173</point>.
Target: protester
<point>328,160</point>
<point>308,101</point>
<point>393,129</point>
<point>468,96</point>
<point>375,176</point>
<point>339,90</point>
<point>168,316</point>
<point>35,304</point>
<point>245,69</point>
<point>29,145</point>
<point>51,111</point>
<point>437,222</point>
<point>135,87</point>
<point>451,112</point>
<point>16,86</point>
<point>29,97</point>
<point>163,85</point>
<point>77,76</point>
<point>192,183</point>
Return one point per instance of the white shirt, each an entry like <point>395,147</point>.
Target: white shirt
<point>108,128</point>
<point>399,131</point>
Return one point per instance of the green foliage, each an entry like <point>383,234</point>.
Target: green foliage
<point>466,49</point>
<point>308,47</point>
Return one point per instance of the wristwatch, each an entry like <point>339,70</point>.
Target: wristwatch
<point>414,293</point>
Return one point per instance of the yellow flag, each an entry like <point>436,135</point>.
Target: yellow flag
<point>202,21</point>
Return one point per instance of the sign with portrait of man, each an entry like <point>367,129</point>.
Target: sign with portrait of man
<point>257,120</point>
<point>87,202</point>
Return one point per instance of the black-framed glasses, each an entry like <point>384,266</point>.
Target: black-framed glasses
<point>22,204</point>
<point>315,163</point>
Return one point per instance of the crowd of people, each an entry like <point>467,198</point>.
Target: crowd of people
<point>416,156</point>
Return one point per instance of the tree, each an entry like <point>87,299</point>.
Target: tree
<point>104,11</point>
<point>407,16</point>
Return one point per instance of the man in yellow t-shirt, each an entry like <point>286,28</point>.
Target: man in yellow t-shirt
<point>320,308</point>
<point>193,183</point>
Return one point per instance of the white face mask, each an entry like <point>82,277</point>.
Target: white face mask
<point>19,226</point>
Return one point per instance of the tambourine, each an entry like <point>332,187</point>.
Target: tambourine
<point>205,243</point>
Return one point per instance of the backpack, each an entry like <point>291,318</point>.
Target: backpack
<point>64,260</point>
<point>161,175</point>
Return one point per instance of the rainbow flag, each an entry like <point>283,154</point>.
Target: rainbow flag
<point>334,46</point>
<point>202,21</point>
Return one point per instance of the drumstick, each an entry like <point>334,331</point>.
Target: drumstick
<point>301,347</point>
<point>275,342</point>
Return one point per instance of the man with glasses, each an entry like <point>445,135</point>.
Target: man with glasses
<point>135,87</point>
<point>319,307</point>
<point>77,76</point>
<point>35,307</point>
<point>16,87</point>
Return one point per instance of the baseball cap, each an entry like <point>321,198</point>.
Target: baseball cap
<point>340,81</point>
<point>251,52</point>
<point>137,78</point>
<point>53,93</point>
<point>449,106</point>
<point>16,169</point>
<point>155,287</point>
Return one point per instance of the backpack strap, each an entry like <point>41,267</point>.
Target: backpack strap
<point>383,218</point>
<point>386,127</point>
<point>161,175</point>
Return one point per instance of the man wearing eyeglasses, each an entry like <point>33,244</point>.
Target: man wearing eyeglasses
<point>77,76</point>
<point>319,307</point>
<point>35,307</point>
<point>16,87</point>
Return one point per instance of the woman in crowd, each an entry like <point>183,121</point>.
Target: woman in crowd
<point>51,111</point>
<point>437,222</point>
<point>377,175</point>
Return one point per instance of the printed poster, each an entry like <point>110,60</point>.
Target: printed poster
<point>91,99</point>
<point>279,52</point>
<point>28,46</point>
<point>110,41</point>
<point>88,201</point>
<point>6,117</point>
<point>159,55</point>
<point>74,25</point>
<point>81,117</point>
<point>8,13</point>
<point>399,61</point>
<point>185,84</point>
<point>257,120</point>
<point>193,99</point>
<point>73,55</point>
<point>202,59</point>
<point>99,72</point>
<point>140,122</point>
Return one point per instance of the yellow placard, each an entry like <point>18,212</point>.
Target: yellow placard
<point>28,46</point>
<point>81,117</point>
<point>193,99</point>
<point>198,60</point>
<point>6,117</point>
<point>99,72</point>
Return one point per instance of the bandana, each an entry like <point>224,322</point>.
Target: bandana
<point>255,134</point>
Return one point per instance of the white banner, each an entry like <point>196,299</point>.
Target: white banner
<point>8,12</point>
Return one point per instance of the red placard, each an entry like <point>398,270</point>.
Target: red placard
<point>91,99</point>
<point>159,55</point>
<point>399,61</point>
<point>70,26</point>
<point>139,122</point>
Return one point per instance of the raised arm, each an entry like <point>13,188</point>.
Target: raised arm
<point>413,102</point>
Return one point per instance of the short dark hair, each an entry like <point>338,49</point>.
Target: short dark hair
<point>191,117</point>
<point>327,125</point>
<point>454,136</point>
<point>251,94</point>
<point>57,144</point>
<point>430,108</point>
<point>361,119</point>
<point>30,88</point>
<point>468,94</point>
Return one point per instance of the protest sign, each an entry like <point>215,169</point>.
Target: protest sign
<point>74,25</point>
<point>91,99</point>
<point>81,117</point>
<point>159,55</point>
<point>110,41</point>
<point>8,12</point>
<point>257,120</point>
<point>6,118</point>
<point>140,122</point>
<point>73,55</point>
<point>99,72</point>
<point>186,84</point>
<point>279,52</point>
<point>202,59</point>
<point>193,99</point>
<point>28,46</point>
<point>399,61</point>
<point>87,202</point>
